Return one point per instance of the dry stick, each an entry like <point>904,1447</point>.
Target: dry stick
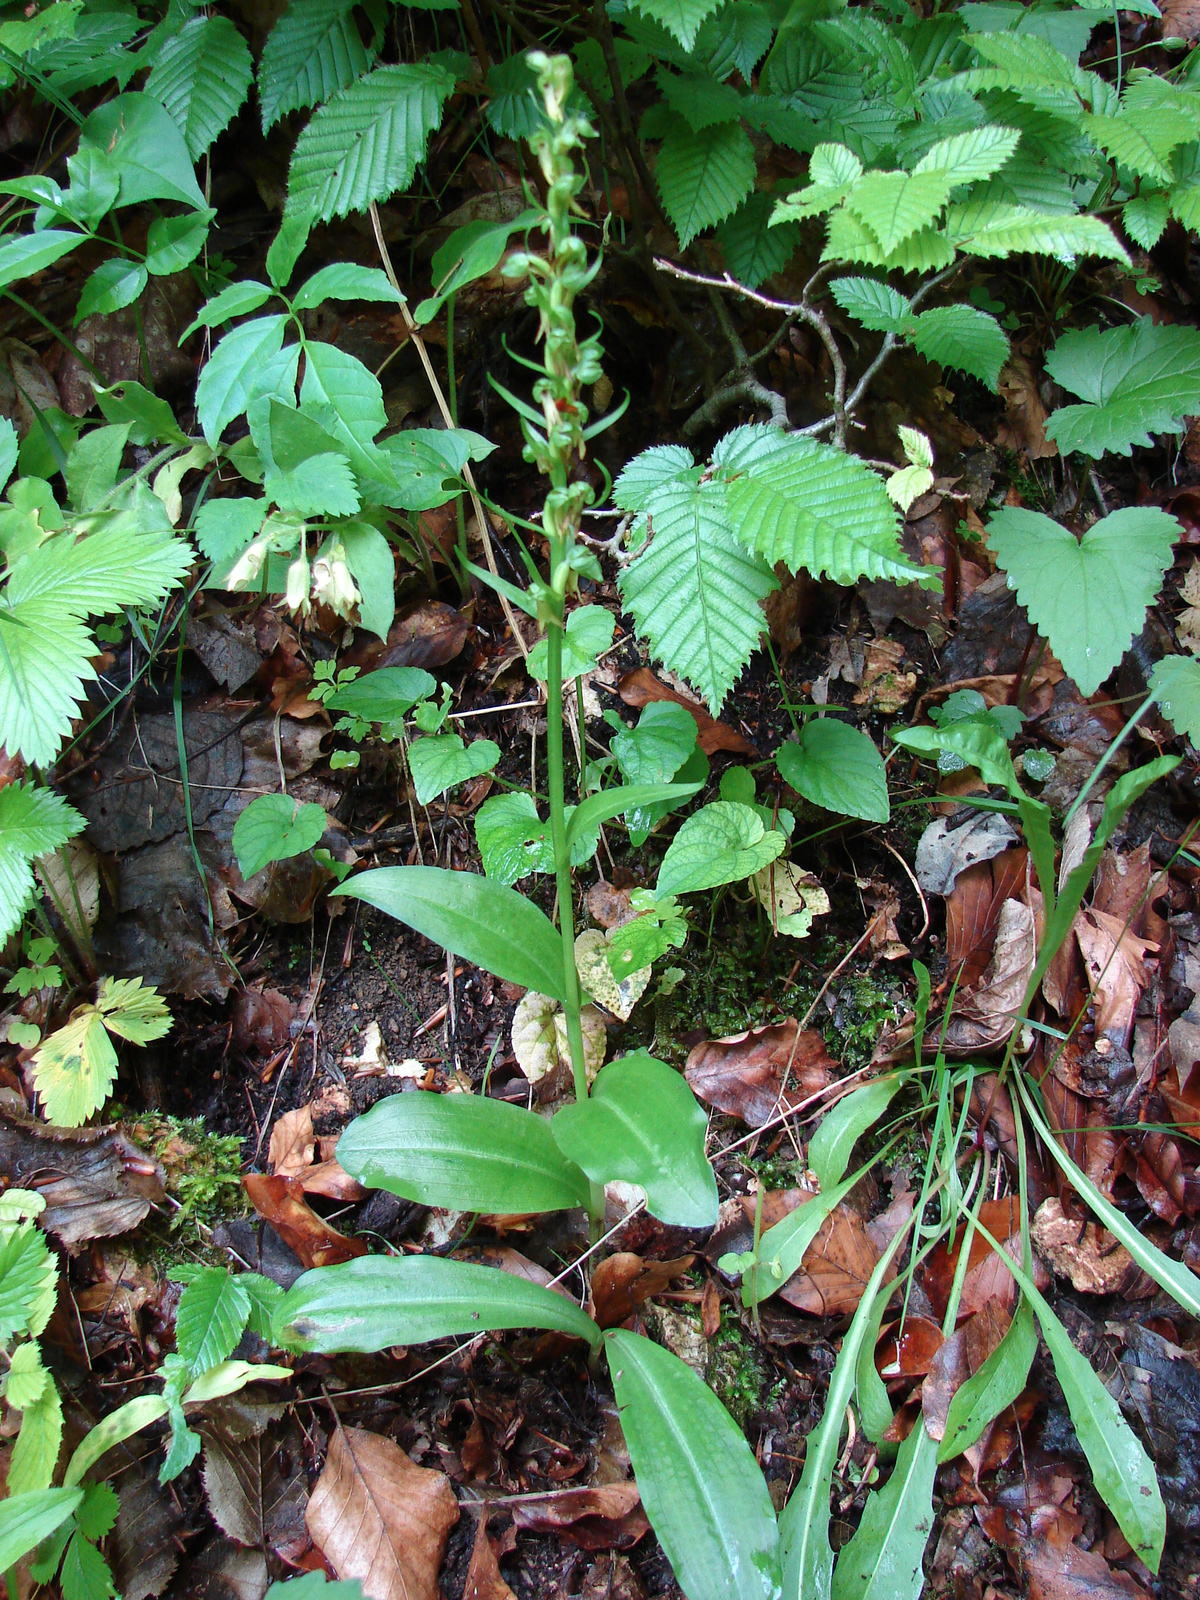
<point>439,395</point>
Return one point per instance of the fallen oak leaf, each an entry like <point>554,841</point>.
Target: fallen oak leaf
<point>281,1202</point>
<point>376,1516</point>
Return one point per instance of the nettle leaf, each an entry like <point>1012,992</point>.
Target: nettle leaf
<point>274,827</point>
<point>681,18</point>
<point>365,142</point>
<point>1145,217</point>
<point>1176,685</point>
<point>588,633</point>
<point>661,464</point>
<point>877,306</point>
<point>1134,381</point>
<point>972,156</point>
<point>33,821</point>
<point>1143,143</point>
<point>812,506</point>
<point>723,842</point>
<point>1087,597</point>
<point>695,592</point>
<point>754,250</point>
<point>202,76</point>
<point>837,767</point>
<point>312,51</point>
<point>703,177</point>
<point>439,762</point>
<point>962,337</point>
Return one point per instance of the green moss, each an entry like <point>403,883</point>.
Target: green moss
<point>863,1004</point>
<point>737,1373</point>
<point>727,990</point>
<point>204,1170</point>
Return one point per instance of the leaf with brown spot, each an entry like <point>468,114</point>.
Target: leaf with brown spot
<point>484,1581</point>
<point>755,1075</point>
<point>623,1281</point>
<point>609,1517</point>
<point>293,1143</point>
<point>377,1517</point>
<point>640,687</point>
<point>281,1202</point>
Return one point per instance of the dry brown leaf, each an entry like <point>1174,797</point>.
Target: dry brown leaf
<point>609,1517</point>
<point>331,1181</point>
<point>985,1016</point>
<point>1057,1569</point>
<point>1181,20</point>
<point>262,1020</point>
<point>377,1517</point>
<point>281,1202</point>
<point>884,687</point>
<point>640,687</point>
<point>95,1181</point>
<point>1116,970</point>
<point>710,1310</point>
<point>747,1075</point>
<point>293,1143</point>
<point>973,909</point>
<point>623,1281</point>
<point>1025,420</point>
<point>835,1268</point>
<point>484,1581</point>
<point>909,1352</point>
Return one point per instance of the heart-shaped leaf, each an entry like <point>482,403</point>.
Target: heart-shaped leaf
<point>274,827</point>
<point>837,767</point>
<point>722,843</point>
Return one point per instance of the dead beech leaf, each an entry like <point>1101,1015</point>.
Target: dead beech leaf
<point>293,1143</point>
<point>948,1371</point>
<point>608,1517</point>
<point>281,1202</point>
<point>973,909</point>
<point>944,851</point>
<point>331,1181</point>
<point>609,906</point>
<point>1086,1253</point>
<point>710,1310</point>
<point>1181,20</point>
<point>484,1581</point>
<point>1115,961</point>
<point>747,1075</point>
<point>377,1517</point>
<point>96,1182</point>
<point>985,1016</point>
<point>835,1268</point>
<point>623,1281</point>
<point>640,687</point>
<point>1056,1568</point>
<point>909,1352</point>
<point>262,1020</point>
<point>1025,422</point>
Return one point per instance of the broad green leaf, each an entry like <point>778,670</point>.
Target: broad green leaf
<point>173,243</point>
<point>373,565</point>
<point>988,1392</point>
<point>681,19</point>
<point>1175,683</point>
<point>422,461</point>
<point>202,75</point>
<point>274,827</point>
<point>312,51</point>
<point>623,798</point>
<point>654,750</point>
<point>375,1302</point>
<point>694,593</point>
<point>470,252</point>
<point>842,1127</point>
<point>95,184</point>
<point>27,253</point>
<point>33,821</point>
<point>92,466</point>
<point>895,205</point>
<point>815,507</point>
<point>588,633</point>
<point>514,106</point>
<point>462,1151</point>
<point>1145,217</point>
<point>642,1124</point>
<point>514,841</point>
<point>701,1486</point>
<point>26,1378</point>
<point>44,663</point>
<point>238,300</point>
<point>364,143</point>
<point>115,284</point>
<point>837,767</point>
<point>264,1295</point>
<point>35,1454</point>
<point>703,177</point>
<point>1134,382</point>
<point>385,695</point>
<point>148,418</point>
<point>28,1281</point>
<point>229,375</point>
<point>111,1430</point>
<point>961,337</point>
<point>346,397</point>
<point>883,1559</point>
<point>1087,597</point>
<point>754,250</point>
<point>224,528</point>
<point>975,740</point>
<point>485,922</point>
<point>27,1519</point>
<point>648,471</point>
<point>344,280</point>
<point>9,449</point>
<point>212,1316</point>
<point>877,306</point>
<point>439,762</point>
<point>972,156</point>
<point>85,1574</point>
<point>1001,230</point>
<point>702,101</point>
<point>723,842</point>
<point>136,133</point>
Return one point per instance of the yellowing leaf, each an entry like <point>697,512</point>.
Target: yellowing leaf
<point>75,1068</point>
<point>539,1037</point>
<point>792,897</point>
<point>596,975</point>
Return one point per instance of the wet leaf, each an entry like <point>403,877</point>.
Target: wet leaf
<point>623,1281</point>
<point>484,1581</point>
<point>293,1143</point>
<point>990,1389</point>
<point>757,1074</point>
<point>609,1517</point>
<point>883,1559</point>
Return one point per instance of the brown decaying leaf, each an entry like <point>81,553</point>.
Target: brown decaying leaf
<point>1116,968</point>
<point>427,635</point>
<point>376,1516</point>
<point>95,1181</point>
<point>281,1202</point>
<point>145,1544</point>
<point>293,1143</point>
<point>1087,1254</point>
<point>1025,425</point>
<point>909,1351</point>
<point>884,687</point>
<point>623,1281</point>
<point>640,687</point>
<point>609,1517</point>
<point>1086,1136</point>
<point>484,1581</point>
<point>609,906</point>
<point>710,1310</point>
<point>1056,1568</point>
<point>254,1478</point>
<point>973,909</point>
<point>744,1075</point>
<point>835,1268</point>
<point>985,1017</point>
<point>1181,20</point>
<point>987,1278</point>
<point>262,1020</point>
<point>331,1181</point>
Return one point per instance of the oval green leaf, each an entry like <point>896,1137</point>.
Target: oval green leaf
<point>643,1125</point>
<point>996,1385</point>
<point>375,1302</point>
<point>700,1484</point>
<point>485,922</point>
<point>836,767</point>
<point>27,1519</point>
<point>722,843</point>
<point>461,1151</point>
<point>385,695</point>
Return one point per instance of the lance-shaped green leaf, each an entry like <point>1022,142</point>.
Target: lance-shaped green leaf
<point>701,1486</point>
<point>837,767</point>
<point>987,1393</point>
<point>642,1124</point>
<point>27,1519</point>
<point>722,843</point>
<point>840,1130</point>
<point>976,740</point>
<point>615,802</point>
<point>375,1302</point>
<point>473,250</point>
<point>461,1151</point>
<point>474,917</point>
<point>781,1248</point>
<point>883,1559</point>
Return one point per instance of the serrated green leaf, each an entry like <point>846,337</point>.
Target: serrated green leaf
<point>848,239</point>
<point>364,143</point>
<point>723,842</point>
<point>701,100</point>
<point>1134,381</point>
<point>274,827</point>
<point>1175,683</point>
<point>312,51</point>
<point>754,250</point>
<point>212,1316</point>
<point>971,157</point>
<point>703,177</point>
<point>148,417</point>
<point>133,1010</point>
<point>837,767</point>
<point>75,1068</point>
<point>1143,143</point>
<point>699,1481</point>
<point>1017,230</point>
<point>695,593</point>
<point>440,762</point>
<point>681,18</point>
<point>661,464</point>
<point>877,306</point>
<point>202,76</point>
<point>28,1281</point>
<point>386,695</point>
<point>961,337</point>
<point>26,1378</point>
<point>373,565</point>
<point>85,1574</point>
<point>98,1513</point>
<point>33,821</point>
<point>895,205</point>
<point>1087,597</point>
<point>1145,217</point>
<point>44,663</point>
<point>35,1454</point>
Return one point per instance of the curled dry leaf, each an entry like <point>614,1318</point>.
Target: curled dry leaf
<point>484,1581</point>
<point>984,1017</point>
<point>710,1310</point>
<point>609,906</point>
<point>957,1359</point>
<point>331,1181</point>
<point>377,1517</point>
<point>281,1202</point>
<point>1025,424</point>
<point>944,851</point>
<point>539,1037</point>
<point>884,687</point>
<point>791,897</point>
<point>293,1143</point>
<point>596,976</point>
<point>1056,1568</point>
<point>95,1181</point>
<point>262,1020</point>
<point>609,1517</point>
<point>1087,1254</point>
<point>623,1281</point>
<point>973,909</point>
<point>640,687</point>
<point>910,1350</point>
<point>756,1074</point>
